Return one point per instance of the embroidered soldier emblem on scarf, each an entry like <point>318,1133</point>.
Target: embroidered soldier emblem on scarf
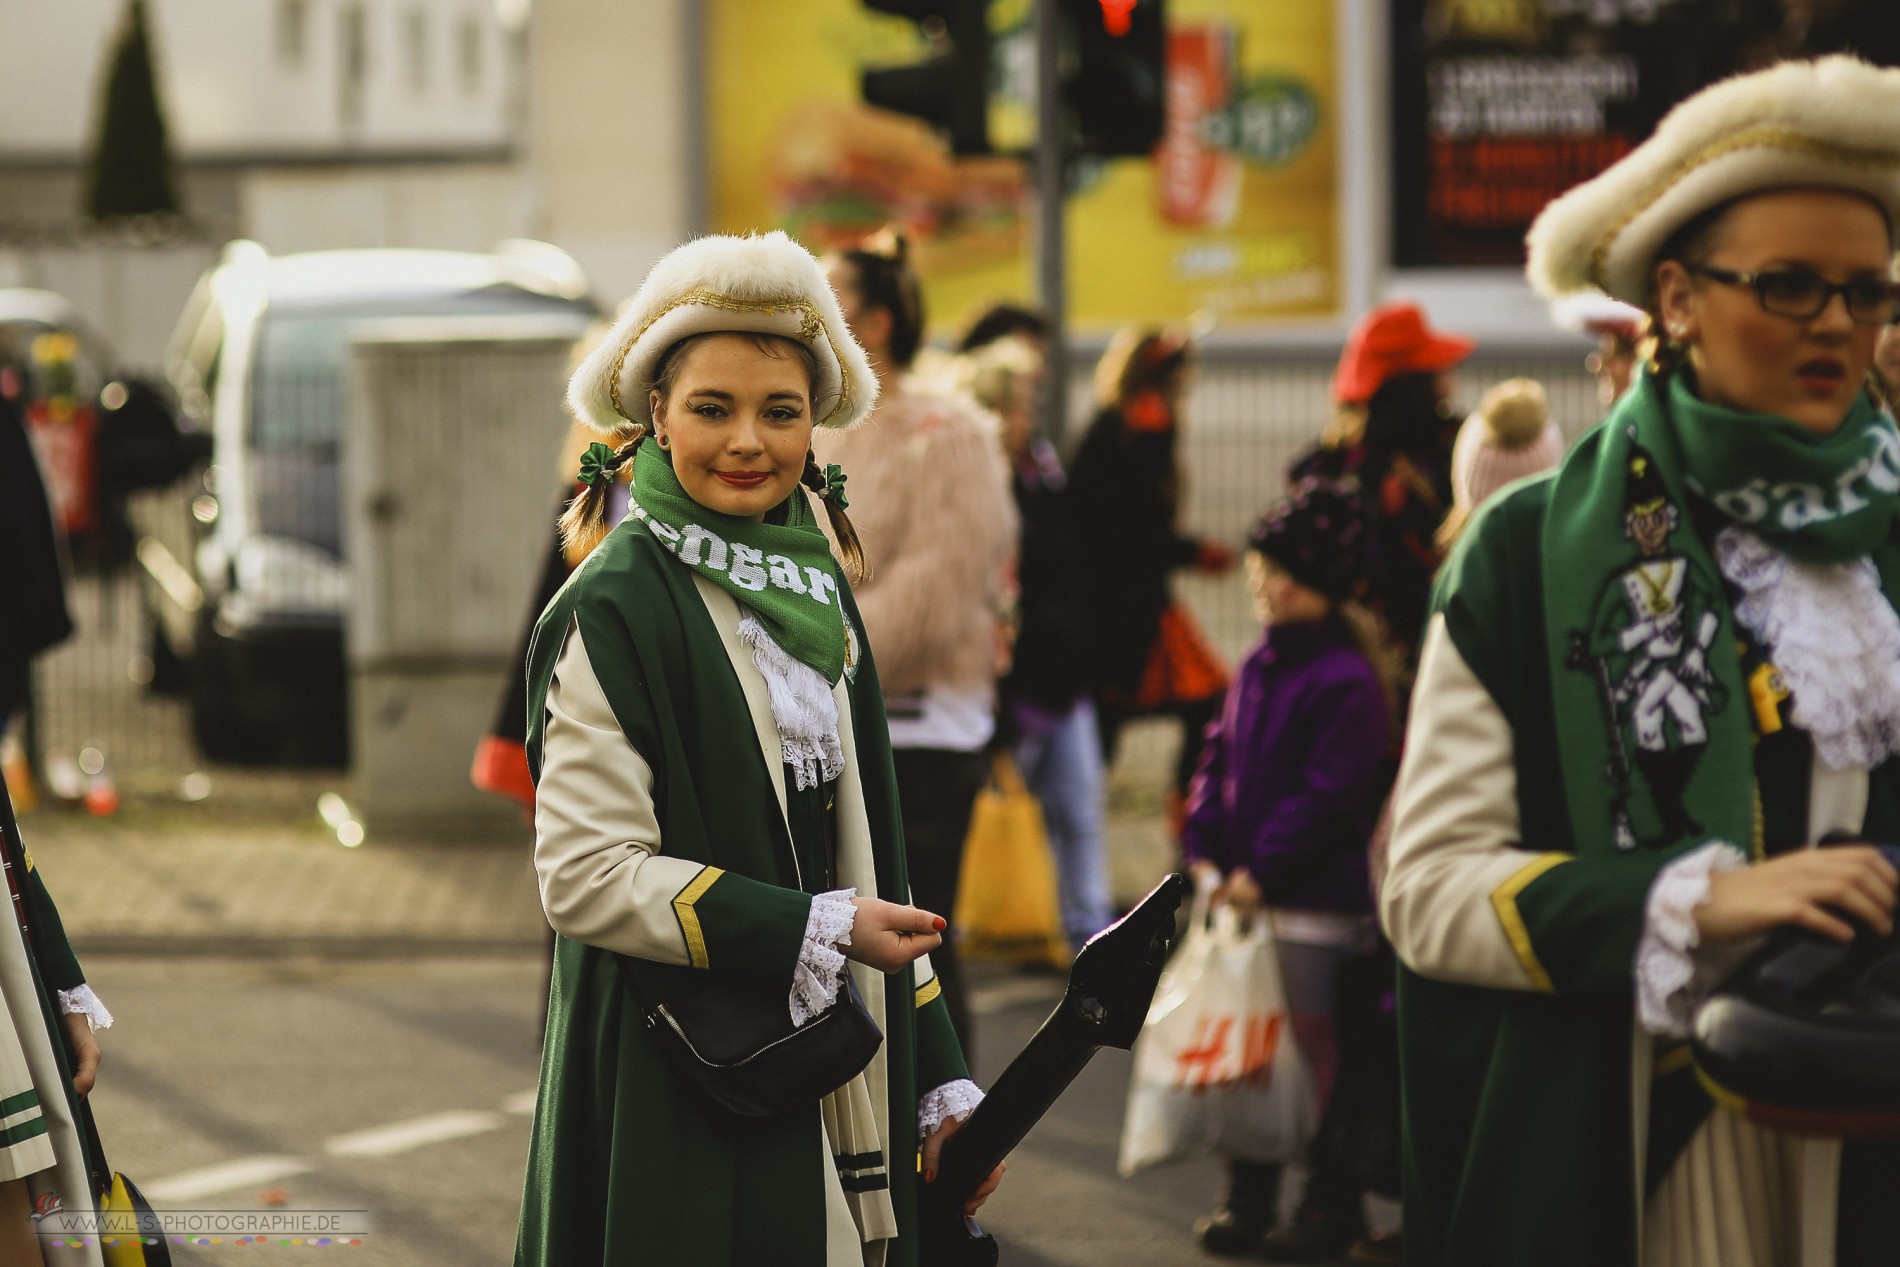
<point>1648,647</point>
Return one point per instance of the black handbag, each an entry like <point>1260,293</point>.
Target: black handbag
<point>1805,1035</point>
<point>734,1041</point>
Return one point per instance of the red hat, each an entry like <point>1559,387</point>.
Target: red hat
<point>1390,340</point>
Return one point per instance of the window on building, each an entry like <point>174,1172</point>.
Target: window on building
<point>352,63</point>
<point>469,52</point>
<point>293,17</point>
<point>416,47</point>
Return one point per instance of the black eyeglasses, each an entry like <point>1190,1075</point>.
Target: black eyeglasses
<point>1804,295</point>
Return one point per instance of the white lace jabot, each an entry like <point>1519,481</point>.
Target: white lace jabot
<point>803,708</point>
<point>1835,639</point>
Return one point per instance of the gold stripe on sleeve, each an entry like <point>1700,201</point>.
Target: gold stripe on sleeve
<point>928,991</point>
<point>689,918</point>
<point>1504,902</point>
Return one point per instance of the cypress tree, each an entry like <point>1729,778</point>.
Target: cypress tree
<point>130,169</point>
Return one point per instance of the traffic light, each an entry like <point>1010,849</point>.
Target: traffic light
<point>1113,89</point>
<point>950,90</point>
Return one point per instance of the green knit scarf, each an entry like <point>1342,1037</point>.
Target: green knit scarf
<point>782,571</point>
<point>1651,707</point>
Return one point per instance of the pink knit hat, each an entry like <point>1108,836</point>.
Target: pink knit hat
<point>1509,436</point>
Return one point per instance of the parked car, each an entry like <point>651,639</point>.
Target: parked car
<point>247,581</point>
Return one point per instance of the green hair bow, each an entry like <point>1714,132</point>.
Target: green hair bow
<point>834,486</point>
<point>597,464</point>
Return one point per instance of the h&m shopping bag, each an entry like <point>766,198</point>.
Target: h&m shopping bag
<point>1216,1067</point>
<point>1007,906</point>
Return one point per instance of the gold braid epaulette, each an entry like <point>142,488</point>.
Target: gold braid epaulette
<point>809,327</point>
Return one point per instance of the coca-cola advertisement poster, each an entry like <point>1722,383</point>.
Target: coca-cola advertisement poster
<point>1234,216</point>
<point>1498,106</point>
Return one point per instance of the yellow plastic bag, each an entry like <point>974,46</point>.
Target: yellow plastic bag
<point>1007,907</point>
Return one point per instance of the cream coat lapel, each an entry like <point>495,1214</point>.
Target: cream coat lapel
<point>724,611</point>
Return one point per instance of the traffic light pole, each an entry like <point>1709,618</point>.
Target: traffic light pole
<point>1051,259</point>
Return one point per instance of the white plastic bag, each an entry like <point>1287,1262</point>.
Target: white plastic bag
<point>1216,1066</point>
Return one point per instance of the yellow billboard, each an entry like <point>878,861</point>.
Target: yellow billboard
<point>1234,217</point>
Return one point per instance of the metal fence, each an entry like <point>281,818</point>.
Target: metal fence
<point>1247,418</point>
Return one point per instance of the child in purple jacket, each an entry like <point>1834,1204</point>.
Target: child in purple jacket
<point>1280,810</point>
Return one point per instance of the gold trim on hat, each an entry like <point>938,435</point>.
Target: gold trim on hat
<point>1769,137</point>
<point>810,327</point>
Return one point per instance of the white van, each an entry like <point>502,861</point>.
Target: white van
<point>248,590</point>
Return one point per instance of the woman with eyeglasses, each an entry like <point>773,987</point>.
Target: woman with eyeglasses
<point>1652,682</point>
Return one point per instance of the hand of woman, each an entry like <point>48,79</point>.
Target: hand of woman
<point>933,1148</point>
<point>1811,888</point>
<point>85,1051</point>
<point>887,936</point>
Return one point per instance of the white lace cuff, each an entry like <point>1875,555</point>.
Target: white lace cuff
<point>820,969</point>
<point>953,1099</point>
<point>82,1001</point>
<point>1673,969</point>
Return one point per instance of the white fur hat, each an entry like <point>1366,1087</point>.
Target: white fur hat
<point>1593,312</point>
<point>1830,122</point>
<point>755,284</point>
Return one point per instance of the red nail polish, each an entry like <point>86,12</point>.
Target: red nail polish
<point>938,923</point>
<point>930,1176</point>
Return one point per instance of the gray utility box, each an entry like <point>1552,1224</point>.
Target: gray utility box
<point>455,426</point>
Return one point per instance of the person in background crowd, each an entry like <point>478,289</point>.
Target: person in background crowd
<point>931,500</point>
<point>1394,429</point>
<point>1508,437</point>
<point>713,799</point>
<point>1145,655</point>
<point>1636,714</point>
<point>1281,807</point>
<point>1619,330</point>
<point>1005,321</point>
<point>1045,711</point>
<point>1887,364</point>
<point>32,573</point>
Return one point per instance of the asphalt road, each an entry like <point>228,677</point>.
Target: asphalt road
<point>402,1089</point>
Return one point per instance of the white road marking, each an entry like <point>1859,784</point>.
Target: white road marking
<point>209,1181</point>
<point>400,1137</point>
<point>522,1102</point>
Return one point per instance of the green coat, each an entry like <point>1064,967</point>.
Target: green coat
<point>38,1112</point>
<point>625,1166</point>
<point>1527,1139</point>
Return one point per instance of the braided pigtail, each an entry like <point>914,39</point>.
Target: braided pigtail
<point>828,483</point>
<point>584,522</point>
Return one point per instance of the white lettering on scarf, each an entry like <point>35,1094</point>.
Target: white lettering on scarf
<point>1794,506</point>
<point>746,572</point>
<point>821,581</point>
<point>784,573</point>
<point>749,568</point>
<point>715,552</point>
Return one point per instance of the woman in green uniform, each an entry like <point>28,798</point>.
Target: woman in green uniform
<point>714,796</point>
<point>1650,683</point>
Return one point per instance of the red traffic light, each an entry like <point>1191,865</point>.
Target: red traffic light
<point>1118,16</point>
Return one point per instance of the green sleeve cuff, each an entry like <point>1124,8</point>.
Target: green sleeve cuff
<point>59,967</point>
<point>1581,919</point>
<point>939,1055</point>
<point>733,923</point>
